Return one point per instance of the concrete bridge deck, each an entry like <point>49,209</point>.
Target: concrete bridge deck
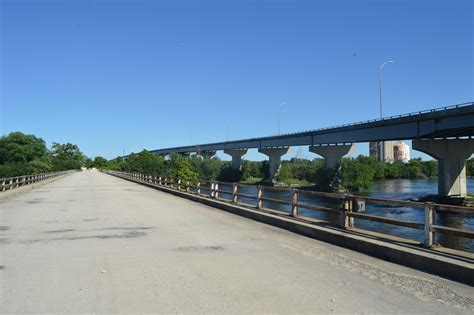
<point>90,242</point>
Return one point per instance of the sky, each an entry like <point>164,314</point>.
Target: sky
<point>119,75</point>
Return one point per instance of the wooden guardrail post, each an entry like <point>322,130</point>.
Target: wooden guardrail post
<point>216,190</point>
<point>345,207</point>
<point>235,190</point>
<point>212,190</point>
<point>259,197</point>
<point>294,203</point>
<point>429,221</point>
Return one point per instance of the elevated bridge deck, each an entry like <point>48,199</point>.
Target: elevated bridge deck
<point>90,242</point>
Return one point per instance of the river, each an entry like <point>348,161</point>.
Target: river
<point>402,189</point>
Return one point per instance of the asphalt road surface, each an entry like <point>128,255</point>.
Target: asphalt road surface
<point>90,242</point>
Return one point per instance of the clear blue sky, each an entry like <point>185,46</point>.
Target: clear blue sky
<point>114,75</point>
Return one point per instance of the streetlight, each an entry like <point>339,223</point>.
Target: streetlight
<point>380,85</point>
<point>382,143</point>
<point>279,107</point>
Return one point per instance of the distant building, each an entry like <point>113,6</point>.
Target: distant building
<point>401,152</point>
<point>381,150</point>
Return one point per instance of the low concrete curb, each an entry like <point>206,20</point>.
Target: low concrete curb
<point>13,192</point>
<point>430,261</point>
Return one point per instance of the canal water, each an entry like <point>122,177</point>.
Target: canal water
<point>401,189</point>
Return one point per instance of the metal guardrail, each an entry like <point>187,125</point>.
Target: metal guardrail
<point>347,206</point>
<point>10,183</point>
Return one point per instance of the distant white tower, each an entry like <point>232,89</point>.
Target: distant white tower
<point>382,150</point>
<point>401,152</point>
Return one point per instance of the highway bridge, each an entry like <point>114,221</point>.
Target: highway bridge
<point>443,133</point>
<point>88,242</point>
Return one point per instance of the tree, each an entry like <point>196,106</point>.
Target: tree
<point>355,175</point>
<point>145,162</point>
<point>19,148</point>
<point>179,166</point>
<point>430,168</point>
<point>66,157</point>
<point>285,173</point>
<point>66,151</point>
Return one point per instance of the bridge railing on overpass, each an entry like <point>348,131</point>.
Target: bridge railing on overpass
<point>9,183</point>
<point>345,208</point>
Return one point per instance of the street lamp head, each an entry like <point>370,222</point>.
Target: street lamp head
<point>383,64</point>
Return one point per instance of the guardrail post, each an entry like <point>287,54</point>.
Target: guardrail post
<point>345,207</point>
<point>216,190</point>
<point>235,189</point>
<point>159,180</point>
<point>429,221</point>
<point>178,184</point>
<point>259,197</point>
<point>212,190</point>
<point>3,184</point>
<point>294,203</point>
<point>187,186</point>
<point>198,187</point>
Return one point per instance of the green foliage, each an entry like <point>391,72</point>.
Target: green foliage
<point>207,169</point>
<point>430,168</point>
<point>470,167</point>
<point>145,162</point>
<point>252,169</point>
<point>355,175</point>
<point>228,174</point>
<point>66,151</point>
<point>285,173</point>
<point>22,154</point>
<point>66,157</point>
<point>20,148</point>
<point>179,166</point>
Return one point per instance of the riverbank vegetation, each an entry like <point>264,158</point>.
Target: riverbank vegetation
<point>22,154</point>
<point>354,174</point>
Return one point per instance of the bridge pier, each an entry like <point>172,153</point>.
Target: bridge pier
<point>206,155</point>
<point>236,155</point>
<point>451,155</point>
<point>332,153</point>
<point>274,155</point>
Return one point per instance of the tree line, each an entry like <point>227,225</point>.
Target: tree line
<point>22,154</point>
<point>354,174</point>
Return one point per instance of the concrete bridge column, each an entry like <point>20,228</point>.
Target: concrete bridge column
<point>236,155</point>
<point>275,155</point>
<point>332,153</point>
<point>206,155</point>
<point>451,155</point>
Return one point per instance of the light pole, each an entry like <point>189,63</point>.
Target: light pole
<point>382,143</point>
<point>279,107</point>
<point>380,86</point>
